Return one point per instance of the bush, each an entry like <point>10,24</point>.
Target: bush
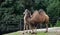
<point>58,23</point>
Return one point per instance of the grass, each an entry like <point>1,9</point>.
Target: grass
<point>41,33</point>
<point>38,33</point>
<point>18,33</point>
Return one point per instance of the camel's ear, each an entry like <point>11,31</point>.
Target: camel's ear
<point>23,13</point>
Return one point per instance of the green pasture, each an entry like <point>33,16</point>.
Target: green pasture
<point>19,33</point>
<point>38,33</point>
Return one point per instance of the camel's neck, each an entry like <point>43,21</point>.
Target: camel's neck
<point>26,16</point>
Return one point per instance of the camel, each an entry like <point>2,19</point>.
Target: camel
<point>39,16</point>
<point>27,16</point>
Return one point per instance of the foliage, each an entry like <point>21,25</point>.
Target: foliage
<point>15,8</point>
<point>58,24</point>
<point>53,8</point>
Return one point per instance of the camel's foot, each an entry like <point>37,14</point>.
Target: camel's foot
<point>33,32</point>
<point>26,31</point>
<point>23,33</point>
<point>29,31</point>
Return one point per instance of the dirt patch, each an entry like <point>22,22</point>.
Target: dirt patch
<point>53,33</point>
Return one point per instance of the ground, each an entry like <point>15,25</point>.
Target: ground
<point>38,33</point>
<point>51,31</point>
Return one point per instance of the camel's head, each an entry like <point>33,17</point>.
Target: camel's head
<point>26,12</point>
<point>41,10</point>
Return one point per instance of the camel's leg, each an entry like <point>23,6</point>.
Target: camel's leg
<point>33,30</point>
<point>27,28</point>
<point>30,28</point>
<point>40,25</point>
<point>24,28</point>
<point>46,27</point>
